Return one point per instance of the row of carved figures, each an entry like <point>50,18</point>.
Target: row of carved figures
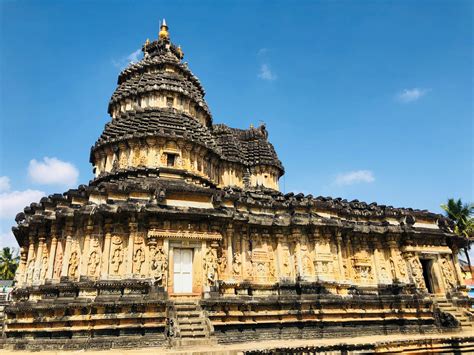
<point>255,259</point>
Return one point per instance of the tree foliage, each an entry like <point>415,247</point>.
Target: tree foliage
<point>8,263</point>
<point>461,214</point>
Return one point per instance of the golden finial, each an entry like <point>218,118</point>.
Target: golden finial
<point>180,51</point>
<point>251,125</point>
<point>164,31</point>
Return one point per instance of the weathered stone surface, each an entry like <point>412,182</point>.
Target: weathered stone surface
<point>182,237</point>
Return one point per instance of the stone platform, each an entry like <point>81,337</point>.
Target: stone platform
<point>448,343</point>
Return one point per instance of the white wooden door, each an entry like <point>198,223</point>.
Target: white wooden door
<point>183,270</point>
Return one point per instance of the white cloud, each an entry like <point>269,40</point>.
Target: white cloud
<point>355,177</point>
<point>133,57</point>
<point>4,183</point>
<point>266,74</point>
<point>52,171</point>
<point>411,95</point>
<point>13,202</point>
<point>7,239</point>
<point>262,51</point>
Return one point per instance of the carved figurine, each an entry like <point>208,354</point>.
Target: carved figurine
<point>44,266</point>
<point>117,259</point>
<point>138,260</point>
<point>159,265</point>
<point>117,254</point>
<point>236,263</point>
<point>93,263</point>
<point>448,273</point>
<point>211,266</point>
<point>73,264</point>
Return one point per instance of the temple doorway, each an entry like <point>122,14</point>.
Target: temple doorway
<point>183,270</point>
<point>427,265</point>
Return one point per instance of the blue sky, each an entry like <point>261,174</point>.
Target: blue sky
<point>362,99</point>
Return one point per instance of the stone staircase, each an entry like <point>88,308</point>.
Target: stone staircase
<point>193,327</point>
<point>461,314</point>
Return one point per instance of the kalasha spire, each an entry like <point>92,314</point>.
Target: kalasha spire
<point>164,34</point>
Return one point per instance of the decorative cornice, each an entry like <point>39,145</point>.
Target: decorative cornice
<point>180,234</point>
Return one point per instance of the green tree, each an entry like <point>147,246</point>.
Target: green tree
<point>461,214</point>
<point>8,263</point>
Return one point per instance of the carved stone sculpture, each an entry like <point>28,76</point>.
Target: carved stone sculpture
<point>73,264</point>
<point>210,266</point>
<point>159,264</point>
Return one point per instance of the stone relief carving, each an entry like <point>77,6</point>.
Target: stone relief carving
<point>31,268</point>
<point>58,261</point>
<point>44,262</point>
<point>222,258</point>
<point>448,273</point>
<point>94,258</point>
<point>73,264</point>
<point>306,265</point>
<point>116,259</point>
<point>123,162</point>
<point>92,263</point>
<point>210,266</point>
<point>416,271</point>
<point>286,263</point>
<point>362,265</point>
<point>271,263</point>
<point>159,265</point>
<point>237,263</point>
<point>138,260</point>
<point>402,267</point>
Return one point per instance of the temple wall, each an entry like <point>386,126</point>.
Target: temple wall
<point>262,175</point>
<point>231,255</point>
<point>154,153</point>
<point>232,174</point>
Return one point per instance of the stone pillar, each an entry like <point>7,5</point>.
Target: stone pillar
<point>340,258</point>
<point>456,265</point>
<point>392,244</point>
<point>52,251</point>
<point>106,254</point>
<point>230,258</point>
<point>279,254</point>
<point>20,274</point>
<point>375,260</point>
<point>348,260</point>
<point>30,258</point>
<point>39,255</point>
<point>151,151</point>
<point>295,237</point>
<point>85,252</point>
<point>67,249</point>
<point>101,163</point>
<point>244,249</point>
<point>133,226</point>
<point>122,155</point>
<point>108,158</point>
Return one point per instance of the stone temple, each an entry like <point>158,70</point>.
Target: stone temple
<point>184,237</point>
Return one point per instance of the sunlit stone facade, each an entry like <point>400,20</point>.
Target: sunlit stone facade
<point>184,220</point>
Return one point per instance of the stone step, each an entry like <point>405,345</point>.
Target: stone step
<point>192,342</point>
<point>186,301</point>
<point>190,321</point>
<point>193,334</point>
<point>186,307</point>
<point>192,327</point>
<point>189,314</point>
